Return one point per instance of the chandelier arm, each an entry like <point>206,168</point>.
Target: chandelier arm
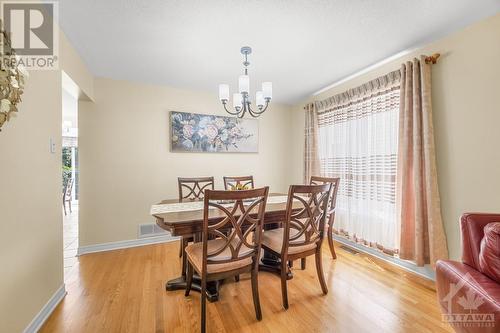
<point>231,113</point>
<point>258,113</point>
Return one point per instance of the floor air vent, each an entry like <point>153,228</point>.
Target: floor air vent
<point>150,230</point>
<point>348,249</point>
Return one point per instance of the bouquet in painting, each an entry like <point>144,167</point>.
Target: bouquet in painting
<point>196,132</point>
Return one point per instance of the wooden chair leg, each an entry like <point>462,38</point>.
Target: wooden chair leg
<point>189,279</point>
<point>185,263</point>
<point>319,270</point>
<point>330,238</point>
<point>303,263</point>
<point>255,291</point>
<point>203,304</point>
<point>284,293</point>
<point>64,206</point>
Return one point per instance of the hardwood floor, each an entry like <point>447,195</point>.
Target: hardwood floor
<point>123,291</point>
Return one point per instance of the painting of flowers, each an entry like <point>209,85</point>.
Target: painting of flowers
<point>192,132</point>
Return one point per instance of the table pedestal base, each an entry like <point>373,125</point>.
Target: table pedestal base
<point>180,284</point>
<point>271,263</point>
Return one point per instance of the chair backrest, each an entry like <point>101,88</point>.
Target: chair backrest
<point>472,225</point>
<point>68,189</point>
<point>231,183</point>
<point>194,188</point>
<point>304,225</point>
<point>236,227</point>
<point>316,180</point>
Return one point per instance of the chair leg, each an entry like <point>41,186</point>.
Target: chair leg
<point>203,304</point>
<point>330,238</point>
<point>69,204</point>
<point>64,206</point>
<point>189,278</point>
<point>303,263</point>
<point>319,269</point>
<point>284,293</point>
<point>255,291</point>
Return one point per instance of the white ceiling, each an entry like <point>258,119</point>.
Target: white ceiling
<point>299,45</point>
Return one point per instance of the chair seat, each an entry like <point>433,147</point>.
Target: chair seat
<point>194,254</point>
<point>273,239</point>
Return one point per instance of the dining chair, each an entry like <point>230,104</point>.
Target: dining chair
<point>67,195</point>
<point>232,183</point>
<point>227,249</point>
<point>238,183</point>
<point>302,232</point>
<point>192,189</point>
<point>332,204</point>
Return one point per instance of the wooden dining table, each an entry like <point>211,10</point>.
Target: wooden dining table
<point>189,222</point>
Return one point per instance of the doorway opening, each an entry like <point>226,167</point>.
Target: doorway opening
<point>70,174</point>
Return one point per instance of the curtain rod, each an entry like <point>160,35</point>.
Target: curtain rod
<point>428,60</point>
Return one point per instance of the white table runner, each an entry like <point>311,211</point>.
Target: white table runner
<point>198,205</point>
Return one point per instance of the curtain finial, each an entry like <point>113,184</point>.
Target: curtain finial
<point>432,59</point>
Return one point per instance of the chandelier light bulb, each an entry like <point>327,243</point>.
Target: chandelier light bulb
<point>223,92</point>
<point>267,89</point>
<point>237,100</point>
<point>259,99</point>
<point>244,84</point>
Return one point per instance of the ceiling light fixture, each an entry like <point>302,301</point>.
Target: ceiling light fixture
<point>241,100</point>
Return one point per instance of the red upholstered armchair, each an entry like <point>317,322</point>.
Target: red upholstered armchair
<point>470,299</point>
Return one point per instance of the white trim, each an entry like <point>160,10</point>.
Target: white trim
<point>46,311</point>
<point>425,272</point>
<point>125,244</point>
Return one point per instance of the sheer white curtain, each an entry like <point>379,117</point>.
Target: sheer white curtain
<point>357,141</point>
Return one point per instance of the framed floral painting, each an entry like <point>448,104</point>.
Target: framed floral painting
<point>193,132</point>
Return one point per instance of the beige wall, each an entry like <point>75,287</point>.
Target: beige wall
<point>466,88</point>
<point>126,165</point>
<point>31,243</point>
<point>30,204</point>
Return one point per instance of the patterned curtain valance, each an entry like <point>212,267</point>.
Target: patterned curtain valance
<point>373,87</point>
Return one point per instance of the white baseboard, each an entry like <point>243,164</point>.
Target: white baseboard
<point>426,272</point>
<point>125,244</point>
<point>45,312</point>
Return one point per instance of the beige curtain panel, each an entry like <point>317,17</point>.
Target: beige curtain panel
<point>311,157</point>
<point>418,205</point>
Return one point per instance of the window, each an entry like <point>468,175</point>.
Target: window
<point>357,141</point>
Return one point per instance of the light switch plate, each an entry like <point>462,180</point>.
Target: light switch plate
<point>52,146</point>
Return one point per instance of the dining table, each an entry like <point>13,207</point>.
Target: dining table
<point>184,218</point>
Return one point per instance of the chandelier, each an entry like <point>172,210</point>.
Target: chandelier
<point>241,100</point>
